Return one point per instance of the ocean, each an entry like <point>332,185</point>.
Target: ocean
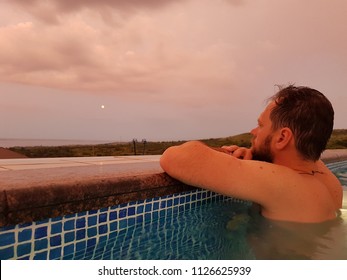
<point>8,143</point>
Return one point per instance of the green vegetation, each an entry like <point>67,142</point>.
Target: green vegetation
<point>338,140</point>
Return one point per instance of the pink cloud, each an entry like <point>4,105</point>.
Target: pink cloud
<point>84,53</point>
<point>51,11</point>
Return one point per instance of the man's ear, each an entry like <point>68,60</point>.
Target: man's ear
<point>284,138</point>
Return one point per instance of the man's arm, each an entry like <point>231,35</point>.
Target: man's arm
<point>198,165</point>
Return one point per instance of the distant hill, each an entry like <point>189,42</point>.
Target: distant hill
<point>338,140</point>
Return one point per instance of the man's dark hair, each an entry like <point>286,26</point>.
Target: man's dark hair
<point>310,116</point>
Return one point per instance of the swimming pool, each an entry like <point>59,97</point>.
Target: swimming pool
<point>197,224</point>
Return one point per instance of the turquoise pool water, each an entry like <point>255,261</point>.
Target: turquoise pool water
<point>192,225</point>
<point>196,233</point>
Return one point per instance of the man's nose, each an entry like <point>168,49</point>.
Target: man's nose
<point>254,131</point>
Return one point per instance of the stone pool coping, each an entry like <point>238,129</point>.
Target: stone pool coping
<point>37,189</point>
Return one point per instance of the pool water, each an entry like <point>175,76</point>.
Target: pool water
<point>226,230</point>
<point>197,233</point>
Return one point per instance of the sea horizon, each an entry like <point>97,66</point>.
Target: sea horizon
<point>18,142</point>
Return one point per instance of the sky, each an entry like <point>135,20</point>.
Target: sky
<point>162,70</point>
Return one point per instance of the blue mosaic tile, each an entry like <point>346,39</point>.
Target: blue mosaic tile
<point>69,249</point>
<point>89,255</point>
<point>79,255</point>
<point>56,228</point>
<point>68,257</point>
<point>55,241</point>
<point>23,249</point>
<point>91,242</point>
<point>81,245</point>
<point>113,226</point>
<point>40,256</point>
<point>131,211</point>
<point>24,235</point>
<point>92,221</point>
<point>113,215</point>
<point>81,223</point>
<point>148,217</point>
<point>55,253</point>
<point>7,253</point>
<point>69,237</point>
<point>155,215</point>
<point>155,206</point>
<point>103,218</point>
<point>7,238</point>
<point>122,213</point>
<point>169,203</point>
<point>123,224</point>
<point>139,209</point>
<point>103,229</point>
<point>69,225</point>
<point>139,219</point>
<point>80,234</point>
<point>131,222</point>
<point>41,244</point>
<point>91,232</point>
<point>163,204</point>
<point>102,239</point>
<point>148,207</point>
<point>113,235</point>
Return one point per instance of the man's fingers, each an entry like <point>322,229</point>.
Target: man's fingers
<point>236,151</point>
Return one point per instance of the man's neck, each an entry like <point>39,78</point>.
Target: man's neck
<point>298,164</point>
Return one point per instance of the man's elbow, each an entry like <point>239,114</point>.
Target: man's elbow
<point>165,160</point>
<point>174,159</point>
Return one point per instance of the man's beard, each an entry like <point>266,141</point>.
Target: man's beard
<point>264,153</point>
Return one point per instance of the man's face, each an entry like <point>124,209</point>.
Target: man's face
<point>262,137</point>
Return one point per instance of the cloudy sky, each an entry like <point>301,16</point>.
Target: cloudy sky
<point>162,69</point>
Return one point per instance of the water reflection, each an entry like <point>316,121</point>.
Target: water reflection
<point>269,240</point>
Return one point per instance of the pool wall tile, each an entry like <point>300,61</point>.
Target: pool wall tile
<point>84,235</point>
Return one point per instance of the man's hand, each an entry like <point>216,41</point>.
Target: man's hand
<point>238,152</point>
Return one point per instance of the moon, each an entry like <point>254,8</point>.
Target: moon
<point>102,106</point>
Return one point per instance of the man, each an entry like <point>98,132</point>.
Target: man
<point>282,171</point>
